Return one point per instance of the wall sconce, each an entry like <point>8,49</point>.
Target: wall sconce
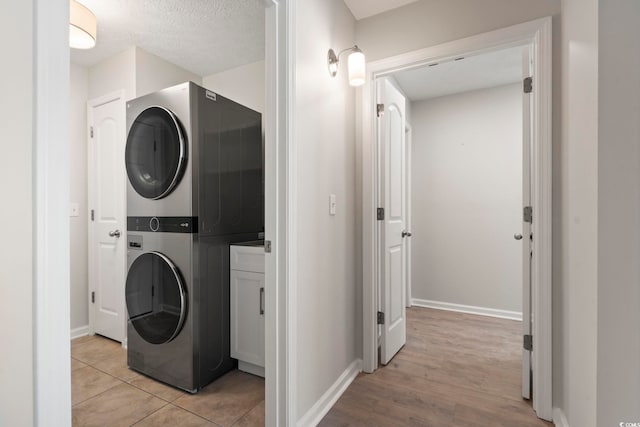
<point>82,26</point>
<point>355,64</point>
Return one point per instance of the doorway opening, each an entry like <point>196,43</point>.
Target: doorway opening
<point>52,331</point>
<point>386,235</point>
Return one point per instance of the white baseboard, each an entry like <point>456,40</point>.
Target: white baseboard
<point>482,311</point>
<point>315,414</point>
<point>80,332</point>
<point>251,368</point>
<point>559,419</point>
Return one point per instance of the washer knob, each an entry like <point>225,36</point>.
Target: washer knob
<point>154,224</point>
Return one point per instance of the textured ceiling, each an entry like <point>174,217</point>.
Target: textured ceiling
<point>202,36</point>
<point>365,8</point>
<point>471,73</point>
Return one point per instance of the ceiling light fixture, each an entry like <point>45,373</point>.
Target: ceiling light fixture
<point>82,26</point>
<point>355,63</point>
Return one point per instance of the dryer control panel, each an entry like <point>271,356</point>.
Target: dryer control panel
<point>163,224</point>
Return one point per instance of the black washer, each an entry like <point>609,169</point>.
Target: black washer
<point>156,298</point>
<point>156,153</point>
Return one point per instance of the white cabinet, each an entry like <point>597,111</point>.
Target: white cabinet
<point>247,307</point>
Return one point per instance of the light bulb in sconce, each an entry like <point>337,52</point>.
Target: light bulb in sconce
<point>355,63</point>
<point>82,26</point>
<point>356,67</point>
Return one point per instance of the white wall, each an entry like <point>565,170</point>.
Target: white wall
<point>154,73</point>
<point>79,79</point>
<point>136,71</point>
<point>467,198</point>
<point>328,338</point>
<point>575,282</point>
<point>431,22</point>
<point>244,84</point>
<point>113,74</point>
<point>16,251</point>
<point>618,213</point>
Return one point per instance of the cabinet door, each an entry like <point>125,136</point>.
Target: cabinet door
<point>247,317</point>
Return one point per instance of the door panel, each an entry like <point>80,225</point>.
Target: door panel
<point>247,317</point>
<point>108,301</point>
<point>107,250</point>
<point>392,173</point>
<point>396,264</point>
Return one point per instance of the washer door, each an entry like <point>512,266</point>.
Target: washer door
<point>156,298</point>
<point>155,154</point>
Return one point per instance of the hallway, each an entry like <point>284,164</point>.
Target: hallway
<point>456,369</point>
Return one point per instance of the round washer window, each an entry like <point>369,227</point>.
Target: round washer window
<point>155,153</point>
<point>156,298</point>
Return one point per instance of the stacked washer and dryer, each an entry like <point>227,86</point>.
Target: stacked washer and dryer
<point>194,163</point>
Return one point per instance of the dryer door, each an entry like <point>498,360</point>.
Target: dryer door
<point>156,153</point>
<point>156,298</point>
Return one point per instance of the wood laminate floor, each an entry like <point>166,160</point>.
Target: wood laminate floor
<point>455,370</point>
<point>104,392</point>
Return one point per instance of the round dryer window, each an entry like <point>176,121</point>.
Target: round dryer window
<point>156,153</point>
<point>156,298</point>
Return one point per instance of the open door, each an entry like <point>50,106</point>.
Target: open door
<point>527,223</point>
<point>107,218</point>
<point>392,219</point>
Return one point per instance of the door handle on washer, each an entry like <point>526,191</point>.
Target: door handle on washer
<point>115,233</point>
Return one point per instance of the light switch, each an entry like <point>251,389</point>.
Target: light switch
<point>74,210</point>
<point>332,204</point>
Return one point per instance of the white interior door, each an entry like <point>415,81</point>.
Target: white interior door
<point>107,216</point>
<point>392,195</point>
<point>527,226</point>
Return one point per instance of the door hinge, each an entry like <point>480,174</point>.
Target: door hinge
<point>93,297</point>
<point>380,214</point>
<point>528,214</point>
<point>267,246</point>
<point>528,85</point>
<point>379,109</point>
<point>91,131</point>
<point>527,342</point>
<point>93,215</point>
<point>380,318</point>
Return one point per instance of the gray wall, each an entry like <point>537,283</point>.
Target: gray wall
<point>115,73</point>
<point>618,213</point>
<point>154,73</point>
<point>244,84</point>
<point>576,216</point>
<point>467,199</point>
<point>431,22</point>
<point>328,332</point>
<point>16,252</point>
<point>79,80</point>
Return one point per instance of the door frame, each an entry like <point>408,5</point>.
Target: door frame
<point>52,374</point>
<point>408,132</point>
<point>536,33</point>
<point>91,203</point>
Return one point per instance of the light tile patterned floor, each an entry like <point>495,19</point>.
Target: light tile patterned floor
<point>104,392</point>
